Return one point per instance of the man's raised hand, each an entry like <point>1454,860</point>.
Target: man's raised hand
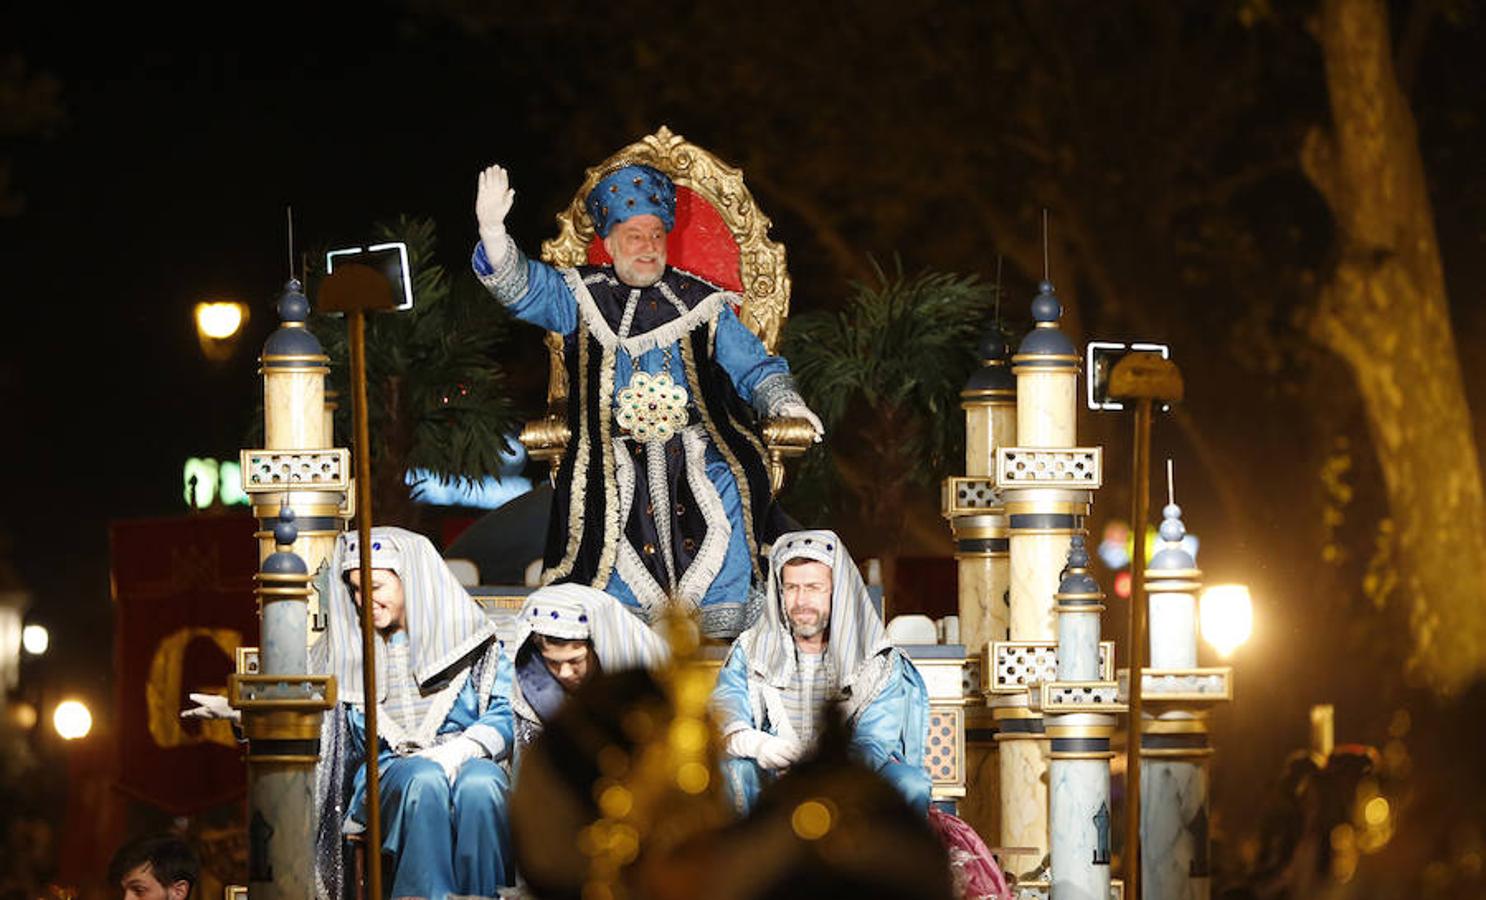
<point>493,199</point>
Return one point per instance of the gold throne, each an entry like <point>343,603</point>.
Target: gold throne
<point>761,280</point>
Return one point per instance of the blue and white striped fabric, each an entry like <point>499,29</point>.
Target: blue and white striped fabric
<point>620,639</point>
<point>856,645</point>
<point>443,623</point>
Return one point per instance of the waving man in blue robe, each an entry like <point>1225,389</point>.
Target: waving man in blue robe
<point>663,493</point>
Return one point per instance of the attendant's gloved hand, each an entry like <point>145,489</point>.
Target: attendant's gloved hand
<point>211,706</point>
<point>798,410</point>
<point>771,751</point>
<point>450,755</point>
<point>493,200</point>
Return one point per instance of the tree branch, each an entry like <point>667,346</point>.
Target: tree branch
<point>850,260</point>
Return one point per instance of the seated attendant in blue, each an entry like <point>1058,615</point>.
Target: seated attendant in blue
<point>443,717</point>
<point>663,493</point>
<point>565,635</point>
<point>819,640</point>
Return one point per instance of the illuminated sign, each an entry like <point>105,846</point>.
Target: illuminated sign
<point>207,480</point>
<point>1099,361</point>
<point>390,259</point>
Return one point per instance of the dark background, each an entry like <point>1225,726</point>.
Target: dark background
<point>181,138</point>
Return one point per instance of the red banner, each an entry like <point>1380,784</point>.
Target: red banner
<point>183,594</point>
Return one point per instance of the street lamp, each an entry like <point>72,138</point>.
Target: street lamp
<point>1227,616</point>
<point>218,324</point>
<point>72,719</point>
<point>35,639</point>
<point>220,320</point>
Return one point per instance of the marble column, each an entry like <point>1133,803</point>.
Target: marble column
<point>982,555</point>
<point>1045,503</point>
<point>1174,749</point>
<point>1078,707</point>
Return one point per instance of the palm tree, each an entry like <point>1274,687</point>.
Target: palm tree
<point>436,397</point>
<point>885,376</point>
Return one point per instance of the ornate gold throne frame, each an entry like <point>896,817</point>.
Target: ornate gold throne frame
<point>762,271</point>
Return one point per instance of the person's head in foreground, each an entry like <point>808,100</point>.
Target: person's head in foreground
<point>156,867</point>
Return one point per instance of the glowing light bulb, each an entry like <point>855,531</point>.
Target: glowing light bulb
<point>1227,617</point>
<point>72,720</point>
<point>219,320</point>
<point>35,638</point>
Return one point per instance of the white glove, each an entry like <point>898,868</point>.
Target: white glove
<point>211,706</point>
<point>452,754</point>
<point>797,410</point>
<point>493,199</point>
<point>771,751</point>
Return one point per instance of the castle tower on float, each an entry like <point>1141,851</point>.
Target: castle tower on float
<point>1174,748</point>
<point>299,486</point>
<point>1046,484</point>
<point>1080,710</point>
<point>977,517</point>
<point>298,467</point>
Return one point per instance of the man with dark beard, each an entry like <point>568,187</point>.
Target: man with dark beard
<point>819,640</point>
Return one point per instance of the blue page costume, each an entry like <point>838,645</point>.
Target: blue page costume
<point>884,698</point>
<point>444,722</point>
<point>663,491</point>
<point>573,612</point>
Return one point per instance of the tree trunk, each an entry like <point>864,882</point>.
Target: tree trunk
<point>1385,313</point>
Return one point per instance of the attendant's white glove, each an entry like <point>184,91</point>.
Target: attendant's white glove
<point>450,755</point>
<point>211,706</point>
<point>771,751</point>
<point>797,410</point>
<point>493,200</point>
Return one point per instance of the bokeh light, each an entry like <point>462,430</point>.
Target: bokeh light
<point>219,320</point>
<point>72,719</point>
<point>23,715</point>
<point>1227,616</point>
<point>35,638</point>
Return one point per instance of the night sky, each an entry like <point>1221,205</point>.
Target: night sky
<point>165,185</point>
<point>183,139</point>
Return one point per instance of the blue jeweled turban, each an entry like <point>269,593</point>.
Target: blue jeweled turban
<point>631,191</point>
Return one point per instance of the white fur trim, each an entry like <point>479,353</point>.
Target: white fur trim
<point>710,555</point>
<point>628,563</point>
<point>638,344</point>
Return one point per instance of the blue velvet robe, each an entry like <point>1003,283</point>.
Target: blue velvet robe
<point>887,734</point>
<point>549,301</point>
<point>444,839</point>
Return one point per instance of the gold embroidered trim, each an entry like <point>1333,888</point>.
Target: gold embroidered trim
<point>744,494</point>
<point>611,490</point>
<point>579,490</point>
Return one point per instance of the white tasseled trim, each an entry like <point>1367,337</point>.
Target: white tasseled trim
<point>613,527</point>
<point>628,564</point>
<point>745,496</point>
<point>638,344</point>
<point>709,556</point>
<point>579,493</point>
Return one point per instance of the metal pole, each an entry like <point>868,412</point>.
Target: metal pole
<point>356,331</point>
<point>1141,512</point>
